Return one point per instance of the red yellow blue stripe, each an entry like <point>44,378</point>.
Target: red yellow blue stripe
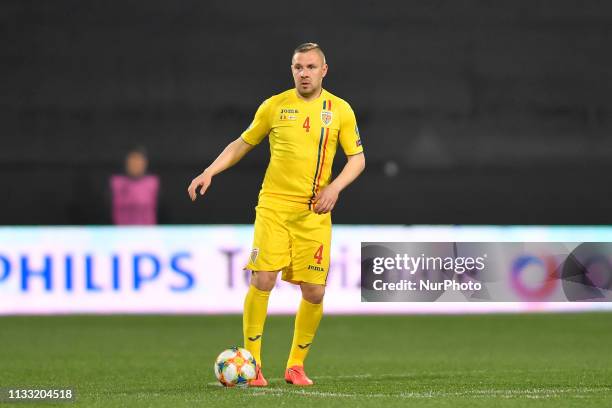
<point>314,180</point>
<point>320,156</point>
<point>322,159</point>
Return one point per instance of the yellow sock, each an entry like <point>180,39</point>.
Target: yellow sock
<point>253,319</point>
<point>306,324</point>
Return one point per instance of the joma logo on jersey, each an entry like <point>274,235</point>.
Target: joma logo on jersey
<point>326,117</point>
<point>316,268</point>
<point>288,114</point>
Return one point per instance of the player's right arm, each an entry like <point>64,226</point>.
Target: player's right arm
<point>228,157</point>
<point>259,128</point>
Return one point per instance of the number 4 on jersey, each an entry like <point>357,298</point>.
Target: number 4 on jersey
<point>319,254</point>
<point>306,125</point>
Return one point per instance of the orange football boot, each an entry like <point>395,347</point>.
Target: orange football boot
<point>295,375</point>
<point>259,380</point>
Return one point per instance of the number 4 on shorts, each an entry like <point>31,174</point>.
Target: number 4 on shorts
<point>319,254</point>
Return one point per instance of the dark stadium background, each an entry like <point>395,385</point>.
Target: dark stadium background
<point>489,112</point>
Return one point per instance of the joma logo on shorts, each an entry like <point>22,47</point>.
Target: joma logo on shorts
<point>316,268</point>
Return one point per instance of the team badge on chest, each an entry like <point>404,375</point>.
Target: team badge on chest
<point>326,117</point>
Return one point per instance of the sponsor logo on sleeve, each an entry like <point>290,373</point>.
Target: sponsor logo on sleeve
<point>254,254</point>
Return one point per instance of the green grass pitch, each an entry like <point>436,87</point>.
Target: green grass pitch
<point>541,360</point>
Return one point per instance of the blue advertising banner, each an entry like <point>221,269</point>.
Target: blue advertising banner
<point>199,269</point>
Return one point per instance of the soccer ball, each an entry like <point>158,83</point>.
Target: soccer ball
<point>235,366</point>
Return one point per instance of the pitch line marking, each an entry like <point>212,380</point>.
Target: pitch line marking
<point>410,375</point>
<point>535,393</point>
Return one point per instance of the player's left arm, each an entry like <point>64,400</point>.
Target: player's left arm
<point>326,198</point>
<point>351,144</point>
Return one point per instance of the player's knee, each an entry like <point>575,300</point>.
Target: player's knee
<point>313,293</point>
<point>263,280</point>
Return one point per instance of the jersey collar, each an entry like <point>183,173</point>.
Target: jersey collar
<point>314,101</point>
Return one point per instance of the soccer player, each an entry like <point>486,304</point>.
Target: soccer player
<point>293,222</point>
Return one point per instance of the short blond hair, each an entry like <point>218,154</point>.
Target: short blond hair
<point>309,46</point>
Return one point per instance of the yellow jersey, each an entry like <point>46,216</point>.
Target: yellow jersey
<point>303,139</point>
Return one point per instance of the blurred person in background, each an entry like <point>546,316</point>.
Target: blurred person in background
<point>134,195</point>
